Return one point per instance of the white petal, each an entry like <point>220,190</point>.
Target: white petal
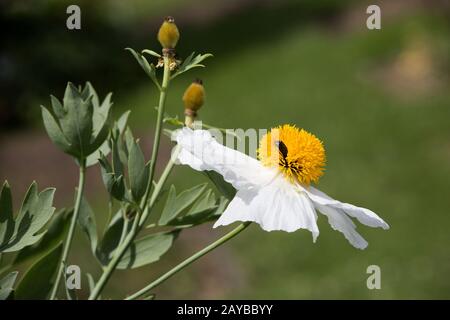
<point>185,157</point>
<point>341,222</point>
<point>202,152</point>
<point>365,216</point>
<point>275,206</point>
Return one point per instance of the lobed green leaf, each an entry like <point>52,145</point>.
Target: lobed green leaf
<point>192,61</point>
<point>148,68</point>
<point>35,212</point>
<point>38,281</point>
<point>176,204</point>
<point>147,249</point>
<point>57,230</point>
<point>7,284</point>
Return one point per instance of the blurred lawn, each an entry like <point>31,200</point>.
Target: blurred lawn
<point>385,151</point>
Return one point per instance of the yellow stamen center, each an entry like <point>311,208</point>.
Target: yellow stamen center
<point>298,154</point>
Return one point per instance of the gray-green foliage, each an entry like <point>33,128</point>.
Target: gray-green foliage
<point>6,286</point>
<point>192,61</point>
<point>143,251</point>
<point>80,124</point>
<point>149,68</point>
<point>37,282</point>
<point>27,227</point>
<point>138,171</point>
<point>191,207</point>
<point>126,175</point>
<point>56,232</point>
<point>147,249</point>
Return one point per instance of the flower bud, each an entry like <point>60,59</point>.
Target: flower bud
<point>193,99</point>
<point>194,96</point>
<point>168,34</point>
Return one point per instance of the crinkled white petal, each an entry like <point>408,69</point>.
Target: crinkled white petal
<point>276,206</point>
<point>202,152</point>
<point>341,222</point>
<point>185,157</point>
<point>365,216</point>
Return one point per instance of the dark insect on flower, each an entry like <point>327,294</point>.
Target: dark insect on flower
<point>282,148</point>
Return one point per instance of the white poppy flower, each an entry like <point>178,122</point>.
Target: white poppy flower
<point>275,191</point>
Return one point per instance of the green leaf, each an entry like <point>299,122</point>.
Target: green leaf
<point>138,172</point>
<point>176,204</point>
<point>203,210</point>
<point>56,233</point>
<point>6,285</point>
<point>57,107</point>
<point>81,125</point>
<point>100,121</point>
<point>6,214</point>
<point>146,250</point>
<point>115,185</point>
<point>148,68</point>
<point>77,123</point>
<point>173,121</point>
<point>55,133</point>
<point>206,201</point>
<point>35,212</point>
<point>224,187</point>
<point>129,138</point>
<point>6,210</point>
<point>105,148</point>
<point>190,62</point>
<point>38,281</point>
<point>117,160</point>
<point>86,221</point>
<point>111,238</point>
<point>152,53</point>
<point>121,123</point>
<point>168,212</point>
<point>89,92</point>
<point>122,152</point>
<point>221,206</point>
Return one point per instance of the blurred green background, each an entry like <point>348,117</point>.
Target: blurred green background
<point>379,100</point>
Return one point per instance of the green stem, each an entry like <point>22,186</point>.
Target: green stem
<point>107,272</point>
<point>157,137</point>
<point>110,209</point>
<point>190,260</point>
<point>126,224</point>
<point>71,233</point>
<point>145,205</point>
<point>165,174</point>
